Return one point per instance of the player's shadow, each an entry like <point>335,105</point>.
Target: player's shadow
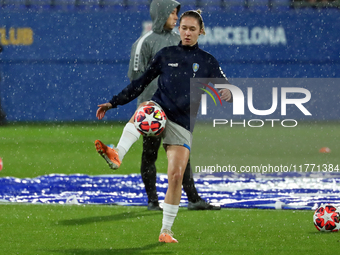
<point>107,218</point>
<point>321,232</point>
<point>113,217</point>
<point>143,249</point>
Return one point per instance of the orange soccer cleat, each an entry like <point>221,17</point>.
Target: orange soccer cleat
<point>325,150</point>
<point>166,237</point>
<point>109,154</point>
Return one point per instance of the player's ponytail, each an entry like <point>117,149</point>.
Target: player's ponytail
<point>197,15</point>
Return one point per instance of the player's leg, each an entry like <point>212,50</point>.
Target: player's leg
<point>189,185</point>
<point>130,134</point>
<point>114,156</point>
<point>177,142</point>
<point>195,201</point>
<point>177,160</point>
<point>151,145</point>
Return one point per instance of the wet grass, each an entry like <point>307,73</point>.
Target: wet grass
<point>30,150</point>
<point>74,229</point>
<point>293,148</point>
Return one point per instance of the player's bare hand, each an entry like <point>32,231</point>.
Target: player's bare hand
<point>102,110</point>
<point>225,94</point>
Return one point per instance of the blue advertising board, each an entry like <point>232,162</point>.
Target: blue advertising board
<point>61,65</point>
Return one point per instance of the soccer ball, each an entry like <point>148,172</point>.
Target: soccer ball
<point>326,218</point>
<point>150,120</point>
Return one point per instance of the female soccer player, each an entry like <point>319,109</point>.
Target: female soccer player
<point>175,65</point>
<point>164,19</point>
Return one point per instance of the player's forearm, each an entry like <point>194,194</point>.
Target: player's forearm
<point>134,89</point>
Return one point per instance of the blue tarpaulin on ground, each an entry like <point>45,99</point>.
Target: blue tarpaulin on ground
<point>280,191</point>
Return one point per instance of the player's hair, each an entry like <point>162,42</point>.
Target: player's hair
<point>194,14</point>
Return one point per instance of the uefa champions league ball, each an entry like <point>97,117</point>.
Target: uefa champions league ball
<point>150,120</point>
<point>326,218</point>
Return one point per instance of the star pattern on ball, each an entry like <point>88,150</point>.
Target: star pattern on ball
<point>327,216</point>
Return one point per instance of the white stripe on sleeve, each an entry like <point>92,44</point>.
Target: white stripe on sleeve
<point>138,50</point>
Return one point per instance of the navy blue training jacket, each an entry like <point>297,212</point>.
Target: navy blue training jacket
<point>175,65</point>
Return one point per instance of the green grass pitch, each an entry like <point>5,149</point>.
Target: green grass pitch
<point>39,149</point>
